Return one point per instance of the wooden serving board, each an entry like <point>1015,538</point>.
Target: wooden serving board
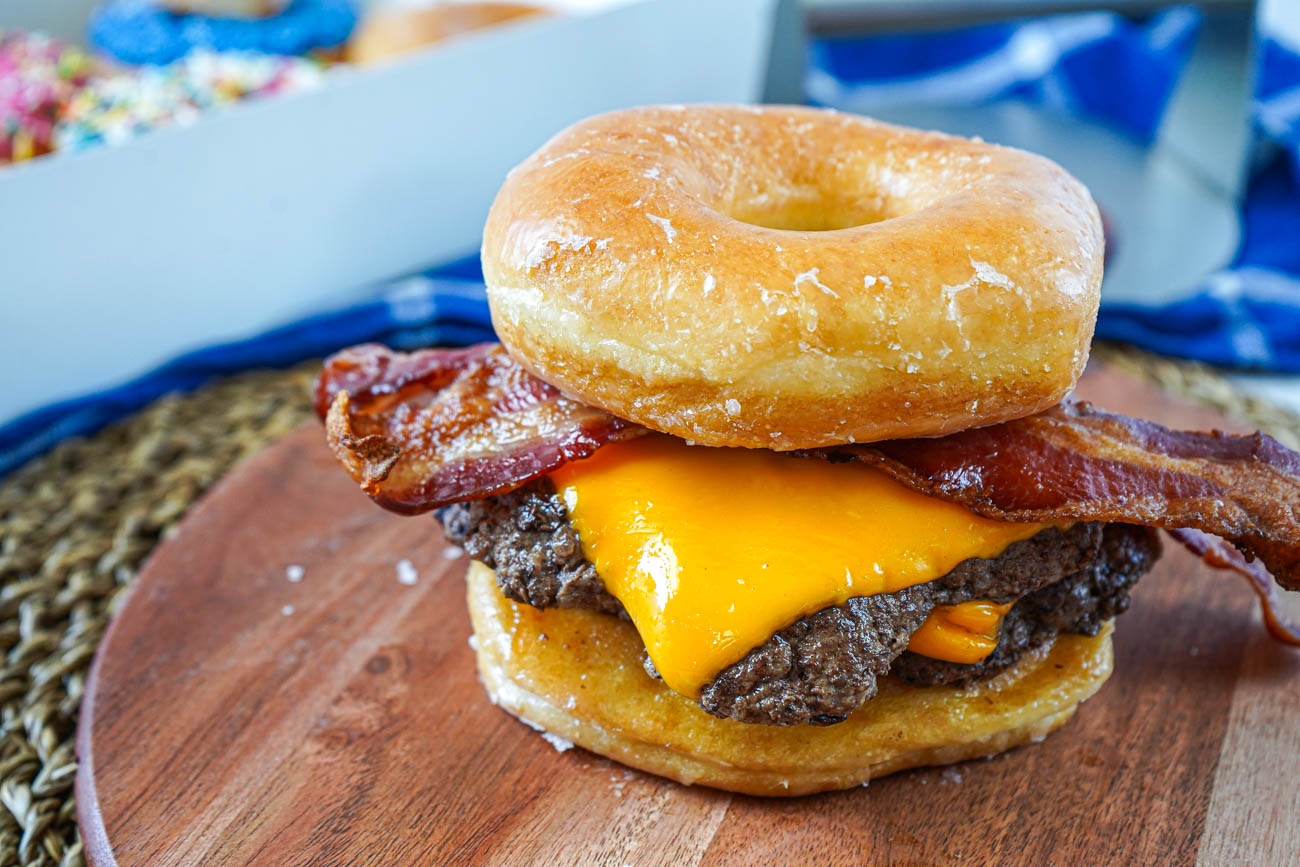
<point>234,717</point>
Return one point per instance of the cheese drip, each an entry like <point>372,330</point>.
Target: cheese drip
<point>713,550</point>
<point>967,632</point>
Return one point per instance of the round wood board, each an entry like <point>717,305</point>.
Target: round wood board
<point>236,717</point>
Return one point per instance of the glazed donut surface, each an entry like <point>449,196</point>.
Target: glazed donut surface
<point>790,278</point>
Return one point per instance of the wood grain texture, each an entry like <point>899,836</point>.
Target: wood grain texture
<point>221,726</point>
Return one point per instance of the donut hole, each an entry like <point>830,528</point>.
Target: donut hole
<point>807,214</point>
<point>836,200</point>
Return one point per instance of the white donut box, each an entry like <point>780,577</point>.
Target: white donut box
<point>114,259</point>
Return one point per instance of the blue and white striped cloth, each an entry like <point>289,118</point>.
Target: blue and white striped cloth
<point>1095,65</point>
<point>1122,73</point>
<point>1099,65</point>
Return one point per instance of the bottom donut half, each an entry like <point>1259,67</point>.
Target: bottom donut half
<point>578,674</point>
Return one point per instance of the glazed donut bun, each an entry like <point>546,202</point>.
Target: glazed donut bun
<point>790,278</point>
<point>578,675</point>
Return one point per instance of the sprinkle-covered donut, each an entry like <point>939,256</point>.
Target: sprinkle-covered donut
<point>113,109</point>
<point>38,75</point>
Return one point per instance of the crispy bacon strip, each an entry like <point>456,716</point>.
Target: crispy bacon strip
<point>1079,463</point>
<point>1221,555</point>
<point>438,426</point>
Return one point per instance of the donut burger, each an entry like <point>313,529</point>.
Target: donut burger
<point>774,482</point>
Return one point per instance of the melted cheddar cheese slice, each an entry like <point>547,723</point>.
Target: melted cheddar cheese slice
<point>960,633</point>
<point>713,550</point>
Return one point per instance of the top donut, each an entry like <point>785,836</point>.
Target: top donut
<point>787,278</point>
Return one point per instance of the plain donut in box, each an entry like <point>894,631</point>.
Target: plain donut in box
<point>786,278</point>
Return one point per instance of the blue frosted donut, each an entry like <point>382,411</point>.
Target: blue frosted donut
<point>141,31</point>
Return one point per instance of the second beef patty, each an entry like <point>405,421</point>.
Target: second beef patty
<point>827,664</point>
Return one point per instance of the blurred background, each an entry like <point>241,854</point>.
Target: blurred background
<point>193,188</point>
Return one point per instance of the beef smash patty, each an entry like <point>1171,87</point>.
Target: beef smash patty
<point>825,665</point>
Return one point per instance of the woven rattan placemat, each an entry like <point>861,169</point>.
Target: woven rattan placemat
<point>76,524</point>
